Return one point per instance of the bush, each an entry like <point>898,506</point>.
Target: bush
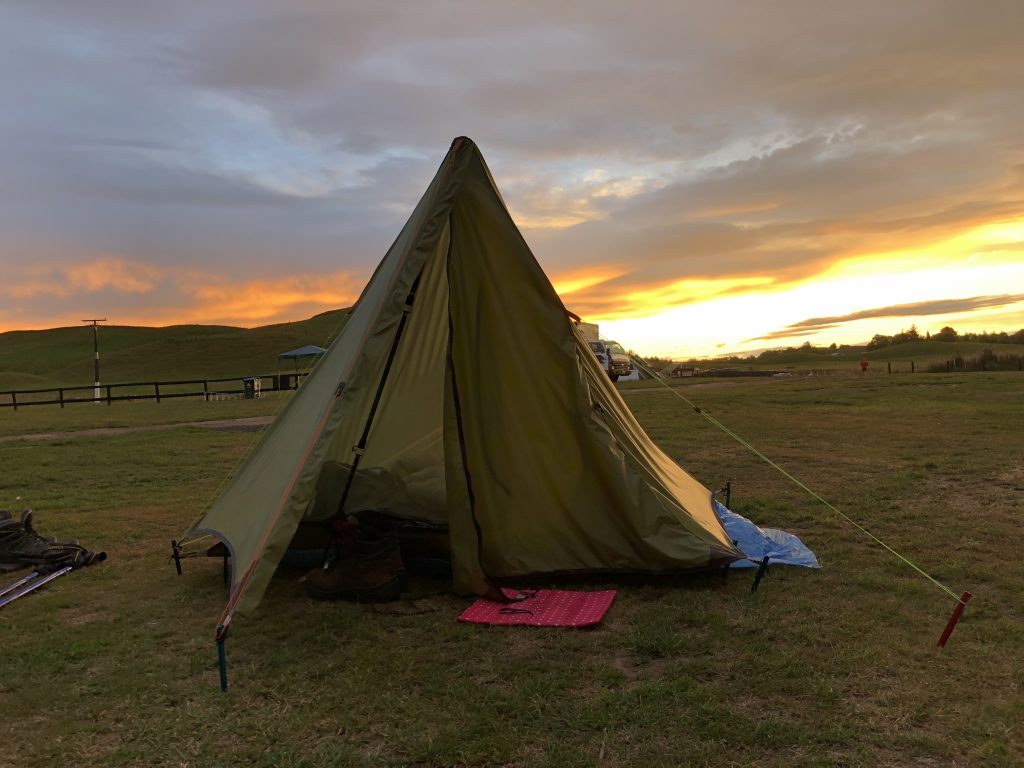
<point>986,361</point>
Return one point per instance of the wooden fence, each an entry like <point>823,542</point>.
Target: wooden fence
<point>208,389</point>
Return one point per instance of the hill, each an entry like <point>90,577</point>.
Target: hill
<point>64,356</point>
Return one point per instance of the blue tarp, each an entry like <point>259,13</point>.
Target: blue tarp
<point>782,548</point>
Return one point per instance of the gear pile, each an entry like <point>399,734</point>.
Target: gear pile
<point>21,546</point>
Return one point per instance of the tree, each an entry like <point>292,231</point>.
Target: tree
<point>878,341</point>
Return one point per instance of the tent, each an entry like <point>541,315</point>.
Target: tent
<point>423,408</point>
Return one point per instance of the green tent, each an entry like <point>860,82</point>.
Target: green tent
<point>460,392</point>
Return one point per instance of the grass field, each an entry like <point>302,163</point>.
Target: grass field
<point>116,665</point>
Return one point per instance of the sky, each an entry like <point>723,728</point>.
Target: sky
<point>698,178</point>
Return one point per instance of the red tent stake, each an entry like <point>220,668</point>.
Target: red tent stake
<point>951,624</point>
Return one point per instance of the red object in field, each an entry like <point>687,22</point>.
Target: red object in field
<point>863,366</point>
<point>542,608</point>
<point>951,624</point>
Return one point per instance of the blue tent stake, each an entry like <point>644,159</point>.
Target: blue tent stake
<point>222,658</point>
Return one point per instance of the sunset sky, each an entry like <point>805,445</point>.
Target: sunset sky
<point>697,177</point>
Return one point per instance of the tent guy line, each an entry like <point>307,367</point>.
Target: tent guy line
<point>962,600</point>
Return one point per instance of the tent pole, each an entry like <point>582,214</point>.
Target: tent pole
<point>360,448</point>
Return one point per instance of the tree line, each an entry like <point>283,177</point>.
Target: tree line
<point>878,341</point>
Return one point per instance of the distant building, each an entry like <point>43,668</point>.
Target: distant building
<point>680,371</point>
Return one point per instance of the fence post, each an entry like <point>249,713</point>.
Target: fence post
<point>61,394</point>
<point>890,367</point>
<point>156,386</point>
<point>206,391</point>
<point>912,366</point>
<point>108,394</point>
<point>14,400</point>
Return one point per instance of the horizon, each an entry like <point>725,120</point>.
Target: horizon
<point>924,335</point>
<point>700,181</point>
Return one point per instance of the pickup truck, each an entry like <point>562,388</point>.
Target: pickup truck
<point>613,358</point>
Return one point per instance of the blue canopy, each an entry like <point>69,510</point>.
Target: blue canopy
<point>310,350</point>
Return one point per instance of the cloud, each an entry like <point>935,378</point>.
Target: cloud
<point>662,147</point>
<point>916,309</point>
<point>166,296</point>
<point>61,281</point>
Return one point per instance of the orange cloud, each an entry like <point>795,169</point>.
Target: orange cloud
<point>66,280</point>
<point>171,296</point>
<point>573,282</point>
<point>220,299</point>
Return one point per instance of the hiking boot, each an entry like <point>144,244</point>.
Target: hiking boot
<point>373,574</point>
<point>21,546</point>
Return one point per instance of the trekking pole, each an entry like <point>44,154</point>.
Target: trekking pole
<point>21,582</point>
<point>34,585</point>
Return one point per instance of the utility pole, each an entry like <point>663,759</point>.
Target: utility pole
<point>96,350</point>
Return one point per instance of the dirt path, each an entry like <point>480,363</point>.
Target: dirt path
<point>249,424</point>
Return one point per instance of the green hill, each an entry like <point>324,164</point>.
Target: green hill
<point>64,356</point>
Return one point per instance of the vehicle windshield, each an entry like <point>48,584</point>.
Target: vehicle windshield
<point>597,347</point>
<point>614,346</point>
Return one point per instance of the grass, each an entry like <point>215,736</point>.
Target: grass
<point>116,666</point>
<point>87,416</point>
<point>64,356</point>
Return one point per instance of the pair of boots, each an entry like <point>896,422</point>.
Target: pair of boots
<point>21,546</point>
<point>366,567</point>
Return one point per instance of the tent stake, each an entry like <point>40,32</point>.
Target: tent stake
<point>222,657</point>
<point>760,574</point>
<point>176,555</point>
<point>951,624</point>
